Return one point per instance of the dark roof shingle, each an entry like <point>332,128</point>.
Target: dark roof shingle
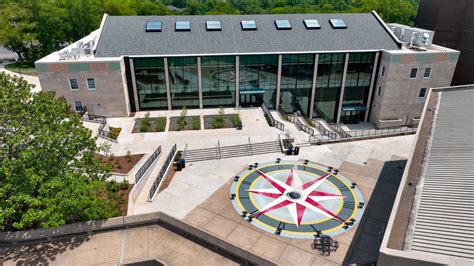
<point>125,35</point>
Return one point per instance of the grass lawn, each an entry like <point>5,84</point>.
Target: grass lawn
<point>26,68</point>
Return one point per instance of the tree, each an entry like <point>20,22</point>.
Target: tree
<point>48,173</point>
<point>147,7</point>
<point>400,11</point>
<point>16,29</point>
<point>118,8</point>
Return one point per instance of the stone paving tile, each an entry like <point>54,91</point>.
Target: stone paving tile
<point>295,256</point>
<point>323,261</point>
<point>351,168</point>
<point>230,213</point>
<point>220,226</point>
<point>216,203</point>
<point>244,237</point>
<point>136,244</point>
<point>199,217</point>
<point>211,259</point>
<point>269,247</point>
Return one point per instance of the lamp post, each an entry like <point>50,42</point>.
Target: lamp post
<point>18,67</point>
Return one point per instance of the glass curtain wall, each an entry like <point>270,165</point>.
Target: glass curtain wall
<point>356,91</point>
<point>258,79</point>
<point>328,85</point>
<point>296,81</point>
<point>218,81</point>
<point>183,75</point>
<point>150,83</point>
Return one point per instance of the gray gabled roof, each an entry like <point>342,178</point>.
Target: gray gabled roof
<point>125,35</point>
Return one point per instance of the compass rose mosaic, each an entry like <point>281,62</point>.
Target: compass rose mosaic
<point>296,199</point>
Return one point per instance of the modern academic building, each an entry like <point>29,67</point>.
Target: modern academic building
<point>345,68</point>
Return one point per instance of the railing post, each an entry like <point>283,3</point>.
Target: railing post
<point>219,150</point>
<point>250,145</point>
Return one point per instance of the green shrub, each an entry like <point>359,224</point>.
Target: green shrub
<point>144,125</point>
<point>128,156</point>
<point>124,184</point>
<point>235,120</point>
<point>113,186</point>
<point>218,122</point>
<point>114,132</point>
<point>160,124</point>
<point>286,117</point>
<point>111,157</point>
<point>196,123</point>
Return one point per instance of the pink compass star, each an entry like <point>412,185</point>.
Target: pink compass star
<point>296,196</point>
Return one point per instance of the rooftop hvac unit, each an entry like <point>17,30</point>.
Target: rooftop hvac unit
<point>414,37</point>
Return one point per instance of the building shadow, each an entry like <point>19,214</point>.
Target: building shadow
<point>364,248</point>
<point>40,253</point>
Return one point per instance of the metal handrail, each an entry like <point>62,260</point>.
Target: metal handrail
<point>354,134</point>
<point>162,172</point>
<point>274,123</point>
<point>141,172</point>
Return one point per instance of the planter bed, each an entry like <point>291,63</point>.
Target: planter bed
<point>156,124</point>
<point>120,164</point>
<point>229,121</point>
<point>191,123</point>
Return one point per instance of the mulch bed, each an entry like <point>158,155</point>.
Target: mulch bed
<point>124,195</point>
<point>125,165</point>
<point>188,123</point>
<point>167,180</point>
<point>208,121</point>
<point>151,128</point>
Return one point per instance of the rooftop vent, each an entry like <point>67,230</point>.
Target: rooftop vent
<point>338,23</point>
<point>414,37</point>
<point>183,25</point>
<point>311,24</point>
<point>213,25</point>
<point>248,25</point>
<point>152,26</point>
<point>282,24</point>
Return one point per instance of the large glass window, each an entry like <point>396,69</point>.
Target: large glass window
<point>328,85</point>
<point>356,91</point>
<point>258,79</point>
<point>296,81</point>
<point>218,80</point>
<point>183,77</point>
<point>150,83</point>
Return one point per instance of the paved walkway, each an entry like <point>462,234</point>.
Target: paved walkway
<point>31,79</point>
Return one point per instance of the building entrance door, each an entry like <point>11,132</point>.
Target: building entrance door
<point>352,117</point>
<point>251,100</point>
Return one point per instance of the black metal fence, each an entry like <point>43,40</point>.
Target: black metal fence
<point>273,122</point>
<point>300,125</point>
<point>141,172</point>
<point>323,131</point>
<point>162,173</point>
<point>354,134</point>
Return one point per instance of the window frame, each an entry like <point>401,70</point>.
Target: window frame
<point>423,91</point>
<point>75,106</point>
<point>379,91</point>
<point>416,72</point>
<point>382,72</point>
<point>424,73</point>
<point>89,88</point>
<point>70,85</point>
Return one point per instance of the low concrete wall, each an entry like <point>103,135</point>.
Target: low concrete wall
<point>179,227</point>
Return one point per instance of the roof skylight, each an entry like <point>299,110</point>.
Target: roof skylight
<point>248,25</point>
<point>312,24</point>
<point>153,26</point>
<point>213,25</point>
<point>283,24</point>
<point>183,25</point>
<point>338,23</point>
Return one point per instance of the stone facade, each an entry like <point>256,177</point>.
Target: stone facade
<point>396,96</point>
<point>109,98</point>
